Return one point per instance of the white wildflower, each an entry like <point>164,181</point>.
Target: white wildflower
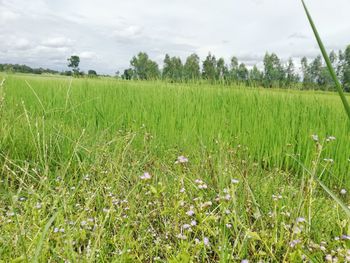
<point>145,176</point>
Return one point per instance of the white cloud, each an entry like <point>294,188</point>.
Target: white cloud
<point>57,42</point>
<point>128,32</point>
<point>88,55</point>
<point>106,35</point>
<point>7,15</point>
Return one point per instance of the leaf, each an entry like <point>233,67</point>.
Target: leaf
<point>328,62</point>
<point>41,241</point>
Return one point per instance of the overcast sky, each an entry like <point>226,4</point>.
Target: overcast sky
<point>107,33</point>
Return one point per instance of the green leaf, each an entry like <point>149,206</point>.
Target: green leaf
<point>328,62</point>
<point>41,241</point>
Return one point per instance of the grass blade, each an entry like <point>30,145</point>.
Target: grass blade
<point>335,198</point>
<point>325,188</point>
<point>41,241</point>
<point>328,62</point>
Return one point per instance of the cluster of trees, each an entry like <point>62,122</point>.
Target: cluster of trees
<point>73,63</point>
<point>14,68</point>
<point>313,74</point>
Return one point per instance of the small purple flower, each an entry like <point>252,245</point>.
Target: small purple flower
<point>190,213</point>
<point>300,220</point>
<point>186,226</point>
<point>206,241</point>
<point>145,176</point>
<point>227,197</point>
<point>315,137</point>
<point>198,181</point>
<point>345,237</point>
<point>202,186</point>
<point>294,243</point>
<point>234,181</point>
<point>181,159</point>
<point>331,138</point>
<point>329,258</point>
<point>181,236</point>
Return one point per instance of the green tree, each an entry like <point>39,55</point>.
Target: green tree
<point>242,73</point>
<point>191,68</point>
<point>144,68</point>
<point>274,74</point>
<point>305,69</point>
<point>128,74</point>
<point>221,70</point>
<point>166,67</point>
<point>173,68</point>
<point>210,68</point>
<point>255,76</point>
<point>73,62</point>
<point>291,76</point>
<point>92,73</point>
<point>346,69</point>
<point>234,69</point>
<point>316,70</point>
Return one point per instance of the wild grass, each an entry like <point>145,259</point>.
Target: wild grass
<point>344,100</point>
<point>89,172</point>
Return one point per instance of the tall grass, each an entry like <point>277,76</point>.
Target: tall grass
<point>343,99</point>
<point>328,61</point>
<point>73,155</point>
<point>270,124</point>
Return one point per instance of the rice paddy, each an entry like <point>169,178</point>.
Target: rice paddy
<point>105,170</point>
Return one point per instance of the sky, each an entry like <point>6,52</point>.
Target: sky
<point>107,33</point>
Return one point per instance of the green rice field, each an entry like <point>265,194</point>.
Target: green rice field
<point>106,170</point>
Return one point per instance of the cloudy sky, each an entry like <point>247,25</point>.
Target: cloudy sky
<point>107,33</point>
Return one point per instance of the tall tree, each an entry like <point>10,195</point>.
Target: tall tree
<point>73,62</point>
<point>166,67</point>
<point>221,70</point>
<point>209,68</point>
<point>346,69</point>
<point>191,68</point>
<point>273,71</point>
<point>316,70</point>
<point>234,69</point>
<point>92,73</point>
<point>144,68</point>
<point>305,69</point>
<point>128,74</point>
<point>242,73</point>
<point>255,76</point>
<point>173,68</point>
<point>291,76</point>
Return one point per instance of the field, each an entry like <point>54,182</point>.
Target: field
<point>125,171</point>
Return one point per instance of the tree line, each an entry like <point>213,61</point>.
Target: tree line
<point>313,74</point>
<point>25,69</point>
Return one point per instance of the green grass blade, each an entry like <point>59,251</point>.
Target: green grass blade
<point>328,62</point>
<point>43,236</point>
<point>335,198</point>
<point>325,188</point>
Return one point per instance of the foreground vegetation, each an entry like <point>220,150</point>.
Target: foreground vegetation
<point>107,170</point>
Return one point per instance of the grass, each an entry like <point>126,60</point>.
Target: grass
<point>341,94</point>
<point>73,155</point>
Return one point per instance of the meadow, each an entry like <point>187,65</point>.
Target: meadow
<point>106,170</point>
